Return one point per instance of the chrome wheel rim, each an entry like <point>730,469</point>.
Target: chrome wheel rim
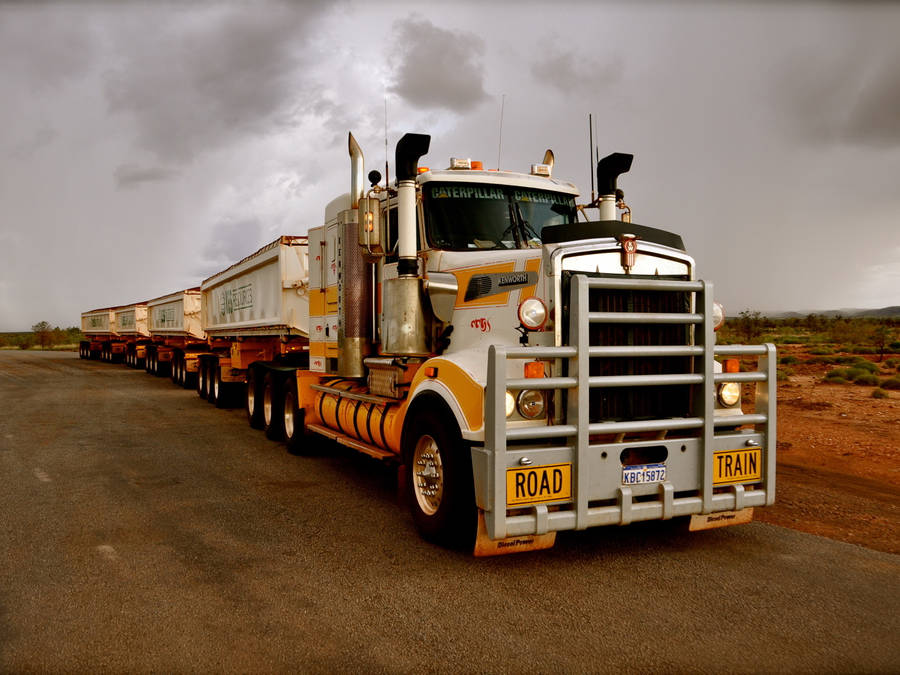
<point>267,405</point>
<point>428,478</point>
<point>251,398</point>
<point>288,416</point>
<point>216,382</point>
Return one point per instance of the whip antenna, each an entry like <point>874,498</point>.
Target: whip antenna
<point>591,153</point>
<point>500,139</point>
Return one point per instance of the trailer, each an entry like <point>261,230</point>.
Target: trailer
<point>99,327</point>
<point>256,317</point>
<point>177,338</point>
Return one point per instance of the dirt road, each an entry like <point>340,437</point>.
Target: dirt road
<point>143,529</point>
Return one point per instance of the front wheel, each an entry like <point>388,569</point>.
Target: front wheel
<point>439,482</point>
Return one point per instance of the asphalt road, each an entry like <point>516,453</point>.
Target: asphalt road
<point>142,529</point>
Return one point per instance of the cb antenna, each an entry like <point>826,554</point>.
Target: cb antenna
<point>387,181</point>
<point>591,153</point>
<point>500,138</point>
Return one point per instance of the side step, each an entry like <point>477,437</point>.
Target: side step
<point>371,450</point>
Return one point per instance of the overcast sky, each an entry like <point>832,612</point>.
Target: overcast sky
<point>145,146</point>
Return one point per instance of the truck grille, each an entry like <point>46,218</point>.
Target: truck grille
<point>637,403</point>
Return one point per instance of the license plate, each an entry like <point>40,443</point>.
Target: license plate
<point>737,466</point>
<point>643,473</point>
<point>538,484</point>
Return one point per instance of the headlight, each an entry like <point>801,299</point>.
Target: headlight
<point>530,403</point>
<point>718,316</point>
<point>510,403</point>
<point>533,313</point>
<point>729,393</point>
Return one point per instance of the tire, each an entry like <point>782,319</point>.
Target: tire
<point>439,483</point>
<point>253,399</point>
<point>273,407</point>
<point>298,440</point>
<point>173,368</point>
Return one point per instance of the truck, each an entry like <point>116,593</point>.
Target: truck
<point>176,339</point>
<point>529,369</point>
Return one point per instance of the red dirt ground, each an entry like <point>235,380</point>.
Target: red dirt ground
<point>838,452</point>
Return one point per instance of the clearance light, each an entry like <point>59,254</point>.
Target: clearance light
<point>477,166</point>
<point>541,170</point>
<point>460,163</point>
<point>530,403</point>
<point>533,313</point>
<point>534,369</point>
<point>423,169</point>
<point>718,316</point>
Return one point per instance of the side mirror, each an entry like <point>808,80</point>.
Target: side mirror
<point>370,226</point>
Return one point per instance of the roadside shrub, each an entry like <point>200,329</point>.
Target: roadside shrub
<point>891,383</point>
<point>867,379</point>
<point>794,340</point>
<point>821,351</point>
<point>843,373</point>
<point>895,346</point>
<point>782,375</point>
<point>863,350</point>
<point>879,393</point>
<point>788,360</point>
<point>866,365</point>
<point>835,380</point>
<point>892,362</point>
<point>828,360</point>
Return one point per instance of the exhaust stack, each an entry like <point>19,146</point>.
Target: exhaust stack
<point>608,170</point>
<point>357,169</point>
<point>403,327</point>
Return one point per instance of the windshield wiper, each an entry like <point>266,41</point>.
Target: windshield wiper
<point>527,229</point>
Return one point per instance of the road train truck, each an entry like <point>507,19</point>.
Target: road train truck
<point>529,369</point>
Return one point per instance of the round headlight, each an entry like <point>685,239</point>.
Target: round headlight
<point>510,403</point>
<point>533,313</point>
<point>531,403</point>
<point>718,316</point>
<point>729,393</point>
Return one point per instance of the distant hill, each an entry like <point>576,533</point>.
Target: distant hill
<point>892,312</point>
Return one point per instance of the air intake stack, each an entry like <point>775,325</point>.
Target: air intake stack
<point>608,171</point>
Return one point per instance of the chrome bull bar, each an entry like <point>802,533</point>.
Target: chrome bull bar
<point>688,488</point>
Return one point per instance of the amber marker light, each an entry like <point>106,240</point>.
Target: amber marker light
<point>534,369</point>
<point>732,366</point>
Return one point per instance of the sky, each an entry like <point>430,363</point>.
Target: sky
<point>145,146</point>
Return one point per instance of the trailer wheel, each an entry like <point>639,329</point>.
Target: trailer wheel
<point>253,399</point>
<point>212,372</point>
<point>299,441</point>
<point>439,483</point>
<point>221,395</point>
<point>173,368</point>
<point>273,407</point>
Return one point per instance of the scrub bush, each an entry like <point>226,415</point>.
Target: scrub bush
<point>879,393</point>
<point>891,383</point>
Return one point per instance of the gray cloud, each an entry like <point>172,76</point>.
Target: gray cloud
<point>40,138</point>
<point>568,73</point>
<point>132,175</point>
<point>438,68</point>
<point>45,44</point>
<point>229,241</point>
<point>845,97</point>
<point>225,73</point>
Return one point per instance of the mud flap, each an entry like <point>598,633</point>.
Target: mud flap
<point>720,519</point>
<point>485,546</point>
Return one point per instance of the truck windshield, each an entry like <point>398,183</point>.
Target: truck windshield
<point>463,216</point>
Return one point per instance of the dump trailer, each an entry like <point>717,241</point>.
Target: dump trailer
<point>176,337</point>
<point>132,331</point>
<point>255,315</point>
<point>530,369</point>
<point>99,327</point>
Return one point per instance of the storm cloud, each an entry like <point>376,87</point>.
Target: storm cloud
<point>567,72</point>
<point>437,68</point>
<point>131,175</point>
<point>225,74</point>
